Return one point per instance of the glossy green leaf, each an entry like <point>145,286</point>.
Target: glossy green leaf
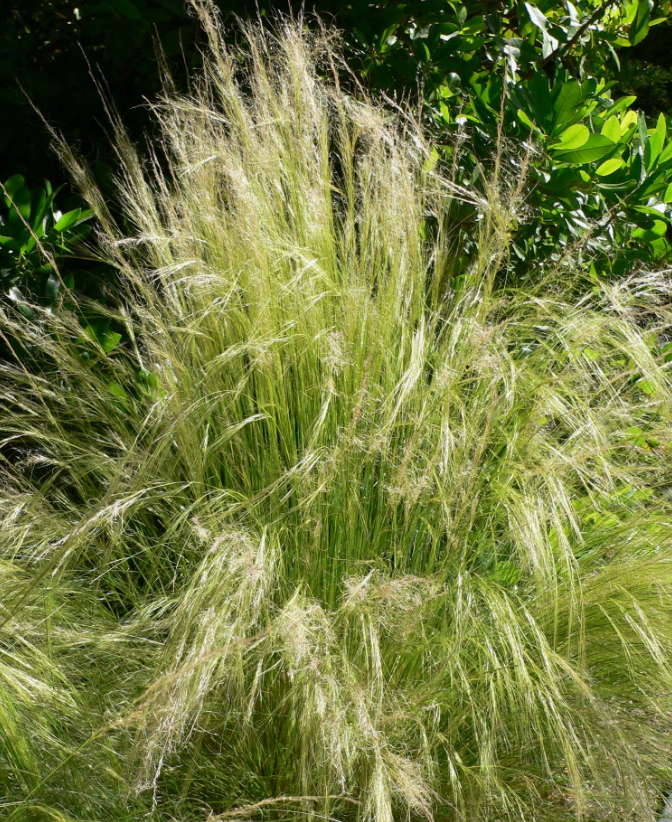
<point>642,129</point>
<point>595,147</point>
<point>12,186</point>
<point>573,137</point>
<point>622,103</point>
<point>68,219</point>
<point>661,248</point>
<point>666,154</point>
<point>525,120</point>
<point>109,341</point>
<point>537,16</point>
<point>657,213</point>
<point>656,143</point>
<point>20,209</point>
<point>41,203</point>
<point>629,120</point>
<point>654,232</point>
<point>539,92</point>
<point>565,105</point>
<point>612,129</point>
<point>609,167</point>
<point>640,25</point>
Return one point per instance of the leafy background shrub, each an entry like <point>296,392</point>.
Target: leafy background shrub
<point>599,169</point>
<point>32,224</point>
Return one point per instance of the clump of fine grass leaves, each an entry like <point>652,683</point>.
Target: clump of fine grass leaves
<point>334,532</point>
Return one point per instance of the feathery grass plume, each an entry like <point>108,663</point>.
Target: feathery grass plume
<point>331,532</point>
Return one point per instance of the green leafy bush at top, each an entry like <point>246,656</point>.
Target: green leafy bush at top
<point>33,232</point>
<point>368,547</point>
<point>599,174</point>
<point>39,266</point>
<point>603,194</point>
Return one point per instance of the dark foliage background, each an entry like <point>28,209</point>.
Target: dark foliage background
<point>45,46</point>
<point>601,171</point>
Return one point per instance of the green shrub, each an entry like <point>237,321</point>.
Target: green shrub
<point>33,233</point>
<point>546,73</point>
<point>334,532</point>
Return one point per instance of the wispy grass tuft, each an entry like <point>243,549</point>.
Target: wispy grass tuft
<point>336,531</point>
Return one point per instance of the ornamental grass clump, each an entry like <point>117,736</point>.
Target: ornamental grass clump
<point>334,530</point>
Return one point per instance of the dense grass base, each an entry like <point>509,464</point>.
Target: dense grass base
<point>334,530</point>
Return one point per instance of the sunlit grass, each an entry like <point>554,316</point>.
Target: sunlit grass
<point>333,531</point>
